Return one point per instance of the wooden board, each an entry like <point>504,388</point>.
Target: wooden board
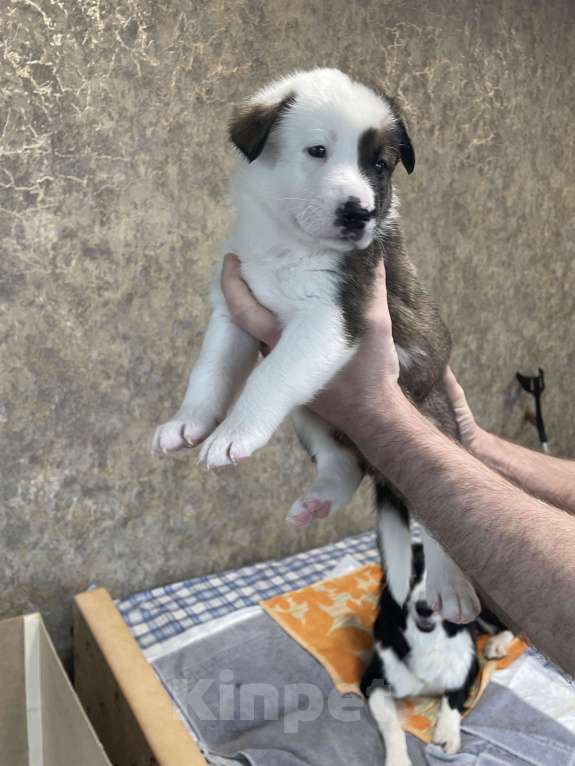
<point>132,713</point>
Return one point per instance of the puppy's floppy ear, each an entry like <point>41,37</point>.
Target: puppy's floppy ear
<point>406,151</point>
<point>252,124</point>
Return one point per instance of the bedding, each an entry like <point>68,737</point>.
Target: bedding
<point>159,614</point>
<point>196,629</point>
<point>253,695</point>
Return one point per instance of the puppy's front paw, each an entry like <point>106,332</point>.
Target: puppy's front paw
<point>447,734</point>
<point>185,430</point>
<point>498,645</point>
<point>452,595</point>
<point>231,444</point>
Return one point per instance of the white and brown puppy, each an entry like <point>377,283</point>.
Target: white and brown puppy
<point>315,213</point>
<point>417,653</point>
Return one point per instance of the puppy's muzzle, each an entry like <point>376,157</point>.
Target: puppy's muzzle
<point>423,609</point>
<point>424,616</point>
<point>352,218</point>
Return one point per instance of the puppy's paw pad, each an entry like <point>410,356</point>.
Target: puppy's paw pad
<point>318,509</point>
<point>299,515</point>
<point>306,509</point>
<point>326,496</point>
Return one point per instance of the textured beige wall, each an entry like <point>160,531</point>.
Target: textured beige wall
<point>113,185</point>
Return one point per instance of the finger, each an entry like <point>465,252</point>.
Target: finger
<point>449,378</point>
<point>246,312</point>
<point>236,292</point>
<point>454,390</point>
<point>378,310</point>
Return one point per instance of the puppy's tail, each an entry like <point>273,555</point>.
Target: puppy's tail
<point>394,541</point>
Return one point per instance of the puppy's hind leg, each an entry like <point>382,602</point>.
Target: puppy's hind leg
<point>338,470</point>
<point>384,710</point>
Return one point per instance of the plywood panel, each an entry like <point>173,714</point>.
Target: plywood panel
<point>68,736</point>
<point>13,737</point>
<point>133,715</point>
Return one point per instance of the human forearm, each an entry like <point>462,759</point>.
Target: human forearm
<point>548,478</point>
<point>516,548</point>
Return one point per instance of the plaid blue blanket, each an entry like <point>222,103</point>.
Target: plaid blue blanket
<point>159,614</point>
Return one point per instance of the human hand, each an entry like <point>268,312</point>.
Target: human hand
<point>355,396</point>
<point>244,309</point>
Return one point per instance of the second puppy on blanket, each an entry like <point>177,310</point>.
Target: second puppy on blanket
<point>418,653</point>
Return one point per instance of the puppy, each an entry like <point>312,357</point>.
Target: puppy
<point>418,653</point>
<point>315,213</point>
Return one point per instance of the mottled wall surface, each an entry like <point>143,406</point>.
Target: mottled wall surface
<point>113,198</point>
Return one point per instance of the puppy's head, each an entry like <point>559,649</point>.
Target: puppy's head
<point>320,150</point>
<point>417,608</point>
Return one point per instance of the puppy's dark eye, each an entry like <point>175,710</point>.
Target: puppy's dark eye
<point>318,152</point>
<point>380,166</point>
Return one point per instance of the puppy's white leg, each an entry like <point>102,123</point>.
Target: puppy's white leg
<point>447,733</point>
<point>448,590</point>
<point>338,471</point>
<point>312,348</point>
<point>384,710</point>
<point>498,645</point>
<point>227,356</point>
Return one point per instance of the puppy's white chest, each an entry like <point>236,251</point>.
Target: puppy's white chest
<point>439,662</point>
<point>286,280</point>
<point>434,664</point>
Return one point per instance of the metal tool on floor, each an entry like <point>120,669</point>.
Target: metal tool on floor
<point>535,385</point>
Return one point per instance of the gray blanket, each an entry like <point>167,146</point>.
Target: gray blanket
<point>254,696</point>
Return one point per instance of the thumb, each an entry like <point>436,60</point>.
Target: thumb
<point>378,345</point>
<point>378,311</point>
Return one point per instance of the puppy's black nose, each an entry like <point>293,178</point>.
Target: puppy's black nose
<point>423,609</point>
<point>352,217</point>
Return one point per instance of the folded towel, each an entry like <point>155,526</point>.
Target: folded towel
<point>333,619</point>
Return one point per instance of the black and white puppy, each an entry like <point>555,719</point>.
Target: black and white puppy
<point>315,213</point>
<point>418,653</point>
